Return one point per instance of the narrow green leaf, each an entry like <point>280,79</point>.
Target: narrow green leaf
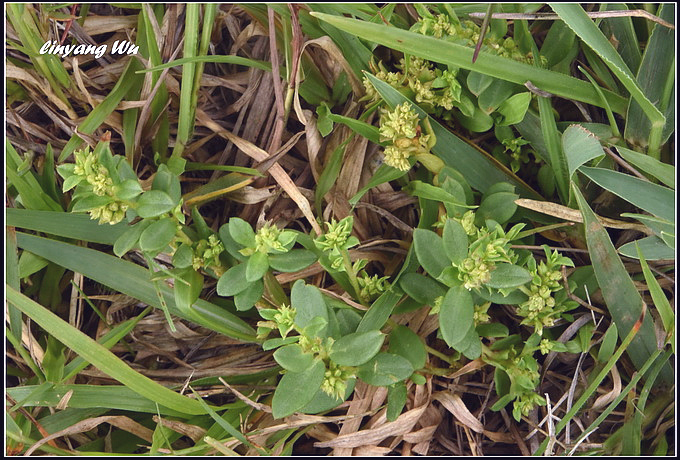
<point>653,198</point>
<point>75,226</point>
<point>133,280</point>
<point>577,19</point>
<point>622,298</point>
<point>662,171</point>
<point>456,56</point>
<point>100,357</point>
<point>660,301</point>
<point>656,77</point>
<point>245,299</point>
<point>579,146</point>
<point>377,315</point>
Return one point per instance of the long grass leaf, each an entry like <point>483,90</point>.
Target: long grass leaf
<point>133,280</point>
<point>577,19</point>
<point>100,113</point>
<point>101,357</point>
<point>456,55</point>
<point>656,77</point>
<point>653,198</point>
<point>622,298</point>
<point>660,301</point>
<point>76,226</point>
<point>116,397</point>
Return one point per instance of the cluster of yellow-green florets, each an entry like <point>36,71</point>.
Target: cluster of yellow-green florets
<point>525,403</point>
<point>401,127</point>
<point>285,319</point>
<point>335,380</point>
<point>438,26</point>
<point>372,286</point>
<point>467,33</point>
<point>541,309</point>
<point>270,239</point>
<point>488,249</point>
<point>337,239</point>
<point>207,253</point>
<point>97,175</point>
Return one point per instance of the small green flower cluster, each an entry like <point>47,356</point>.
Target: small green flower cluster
<point>519,156</point>
<point>543,308</point>
<point>270,239</point>
<point>489,248</point>
<point>338,238</point>
<point>336,376</point>
<point>467,33</point>
<point>207,254</point>
<point>283,319</point>
<point>372,286</point>
<point>335,380</point>
<point>434,90</point>
<point>401,127</point>
<point>88,168</point>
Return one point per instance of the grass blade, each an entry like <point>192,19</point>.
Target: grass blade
<point>76,226</point>
<point>622,298</point>
<point>134,281</point>
<point>653,198</point>
<point>100,357</point>
<point>455,55</point>
<point>576,18</point>
<point>656,77</point>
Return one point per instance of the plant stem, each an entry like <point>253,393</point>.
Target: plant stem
<point>347,263</point>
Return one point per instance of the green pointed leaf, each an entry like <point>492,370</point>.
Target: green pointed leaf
<point>396,400</point>
<point>292,261</point>
<point>245,299</point>
<point>295,390</point>
<point>421,288</point>
<point>233,281</point>
<point>652,248</point>
<point>385,369</point>
<point>158,235</point>
<point>506,276</point>
<point>154,203</point>
<point>183,256</point>
<point>257,266</point>
<point>130,238</point>
<point>308,303</point>
<point>292,358</point>
<point>404,342</point>
<point>429,248</point>
<point>357,348</point>
<point>662,171</point>
<point>242,232</point>
<point>456,315</point>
